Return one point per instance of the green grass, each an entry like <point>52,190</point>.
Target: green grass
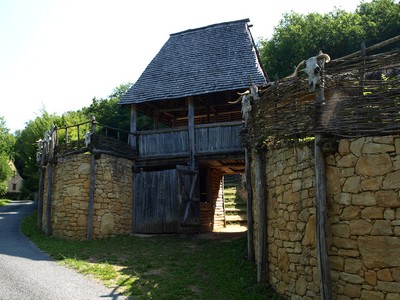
<point>160,266</point>
<point>4,202</point>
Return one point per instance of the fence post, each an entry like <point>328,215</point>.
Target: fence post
<point>321,207</point>
<point>261,188</point>
<point>92,183</point>
<point>50,144</point>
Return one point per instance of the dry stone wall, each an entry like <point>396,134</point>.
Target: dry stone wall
<point>112,214</point>
<point>363,197</point>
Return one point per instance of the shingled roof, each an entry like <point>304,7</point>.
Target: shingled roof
<point>215,58</point>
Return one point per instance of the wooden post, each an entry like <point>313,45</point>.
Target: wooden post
<point>321,210</point>
<point>92,185</point>
<point>261,187</point>
<point>50,144</point>
<point>191,132</point>
<point>41,187</point>
<point>133,126</point>
<point>250,222</point>
<point>49,196</point>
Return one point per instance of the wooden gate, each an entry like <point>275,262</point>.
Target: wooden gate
<point>156,206</point>
<point>189,196</point>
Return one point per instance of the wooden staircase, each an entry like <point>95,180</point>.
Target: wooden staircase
<point>235,201</point>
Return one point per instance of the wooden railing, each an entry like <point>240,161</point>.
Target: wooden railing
<point>209,138</point>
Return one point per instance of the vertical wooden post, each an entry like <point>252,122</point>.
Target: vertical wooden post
<point>41,187</point>
<point>50,144</point>
<point>191,132</point>
<point>250,221</point>
<point>92,185</point>
<point>261,187</point>
<point>49,196</point>
<point>133,126</point>
<point>321,210</point>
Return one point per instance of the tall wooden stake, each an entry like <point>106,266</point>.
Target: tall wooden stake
<point>92,185</point>
<point>250,221</point>
<point>191,132</point>
<point>321,211</point>
<point>261,187</point>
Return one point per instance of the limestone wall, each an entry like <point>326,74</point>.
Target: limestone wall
<point>363,195</point>
<point>70,201</point>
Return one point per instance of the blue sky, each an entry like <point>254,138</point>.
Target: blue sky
<point>59,54</point>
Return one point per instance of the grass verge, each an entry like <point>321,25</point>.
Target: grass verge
<point>160,266</point>
<point>4,202</point>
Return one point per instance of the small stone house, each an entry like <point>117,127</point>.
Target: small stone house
<point>15,183</point>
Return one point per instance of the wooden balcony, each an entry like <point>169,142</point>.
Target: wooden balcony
<point>173,145</point>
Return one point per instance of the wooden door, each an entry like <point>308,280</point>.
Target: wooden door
<point>156,206</point>
<point>188,196</point>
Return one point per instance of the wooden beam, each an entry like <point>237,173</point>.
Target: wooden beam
<point>250,221</point>
<point>92,188</point>
<point>261,188</point>
<point>133,126</point>
<point>192,145</point>
<point>321,211</point>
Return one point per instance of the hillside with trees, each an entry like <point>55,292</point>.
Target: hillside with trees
<point>337,33</point>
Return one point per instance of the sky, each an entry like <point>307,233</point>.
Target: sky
<point>58,55</point>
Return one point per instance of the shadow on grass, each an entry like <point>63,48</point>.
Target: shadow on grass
<point>161,266</point>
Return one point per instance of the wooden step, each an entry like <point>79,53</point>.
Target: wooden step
<point>235,218</point>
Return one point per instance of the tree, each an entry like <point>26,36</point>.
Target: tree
<point>6,145</point>
<point>26,148</point>
<point>337,33</point>
<point>108,112</point>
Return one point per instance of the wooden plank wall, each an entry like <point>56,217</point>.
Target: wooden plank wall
<point>156,204</point>
<point>163,142</point>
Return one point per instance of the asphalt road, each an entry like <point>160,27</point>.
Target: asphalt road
<point>26,273</point>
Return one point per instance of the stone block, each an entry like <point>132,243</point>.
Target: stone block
<point>370,277</point>
<point>340,230</point>
<point>387,198</point>
<point>364,199</point>
<point>352,265</point>
<point>347,161</point>
<point>372,212</point>
<point>375,148</point>
<point>360,227</point>
<point>392,181</point>
<point>301,286</point>
<point>344,147</point>
<point>352,184</point>
<point>384,275</point>
<point>389,214</point>
<point>350,213</point>
<point>333,180</point>
<point>371,295</point>
<point>371,184</point>
<point>396,274</point>
<point>374,165</point>
<point>379,251</point>
<point>343,198</point>
<point>310,232</point>
<point>356,146</point>
<point>381,227</point>
<point>342,243</point>
<point>351,278</point>
<point>393,296</point>
<point>397,145</point>
<point>336,263</point>
<point>352,290</point>
<point>391,287</point>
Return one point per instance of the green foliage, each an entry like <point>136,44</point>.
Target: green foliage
<point>337,33</point>
<point>4,202</point>
<point>5,173</point>
<point>7,141</point>
<point>26,148</point>
<point>161,267</point>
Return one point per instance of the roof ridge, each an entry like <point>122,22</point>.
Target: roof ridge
<point>209,26</point>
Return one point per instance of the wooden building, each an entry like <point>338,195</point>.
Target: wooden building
<point>186,89</point>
